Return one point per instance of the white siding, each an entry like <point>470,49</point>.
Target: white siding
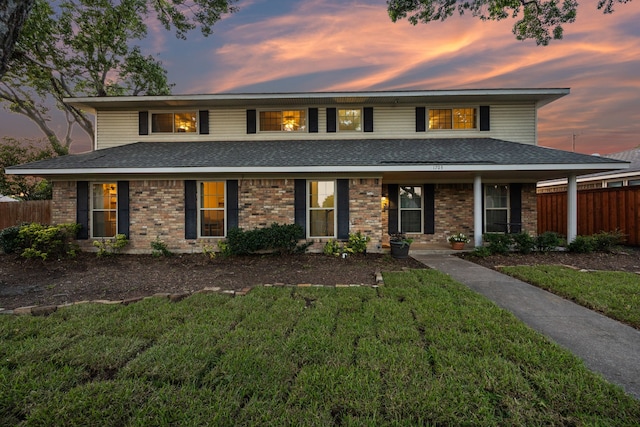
<point>515,123</point>
<point>512,122</point>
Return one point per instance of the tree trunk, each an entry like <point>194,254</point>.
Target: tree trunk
<point>13,13</point>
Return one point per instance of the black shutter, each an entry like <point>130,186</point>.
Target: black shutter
<point>82,209</point>
<point>203,118</point>
<point>515,199</point>
<point>123,208</point>
<point>190,209</point>
<point>251,121</point>
<point>429,209</point>
<point>393,208</point>
<point>484,118</point>
<point>421,119</point>
<point>300,203</point>
<point>368,119</point>
<point>143,123</point>
<point>232,204</point>
<point>342,206</point>
<point>331,119</point>
<point>313,120</point>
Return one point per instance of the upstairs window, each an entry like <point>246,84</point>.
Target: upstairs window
<point>452,118</point>
<point>349,119</point>
<point>283,121</point>
<point>174,122</point>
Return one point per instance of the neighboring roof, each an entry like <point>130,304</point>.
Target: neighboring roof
<point>356,155</point>
<point>541,97</point>
<point>632,156</point>
<point>7,199</point>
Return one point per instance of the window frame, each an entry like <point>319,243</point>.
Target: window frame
<point>301,129</point>
<point>339,122</point>
<point>401,209</point>
<point>476,119</point>
<point>173,113</point>
<point>92,210</point>
<point>309,209</point>
<point>200,208</point>
<point>507,208</point>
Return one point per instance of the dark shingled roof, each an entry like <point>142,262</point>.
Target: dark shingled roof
<point>302,153</point>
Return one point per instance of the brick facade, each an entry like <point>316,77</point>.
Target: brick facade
<point>157,210</point>
<point>262,202</point>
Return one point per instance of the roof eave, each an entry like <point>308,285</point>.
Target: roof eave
<point>433,167</point>
<point>541,96</point>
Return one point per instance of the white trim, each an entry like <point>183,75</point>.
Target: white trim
<point>421,208</point>
<point>173,122</point>
<point>200,208</point>
<point>282,110</point>
<point>92,209</point>
<point>308,208</point>
<point>506,208</point>
<point>242,97</point>
<point>338,130</point>
<point>434,167</point>
<point>476,118</point>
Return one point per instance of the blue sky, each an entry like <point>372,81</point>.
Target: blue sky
<point>322,45</point>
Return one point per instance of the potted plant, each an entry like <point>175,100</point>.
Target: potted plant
<point>400,245</point>
<point>458,240</point>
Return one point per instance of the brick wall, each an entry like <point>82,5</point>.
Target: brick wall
<point>529,209</point>
<point>262,202</point>
<point>63,208</point>
<point>157,211</point>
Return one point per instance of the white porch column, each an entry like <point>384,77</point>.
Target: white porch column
<point>572,208</point>
<point>477,211</point>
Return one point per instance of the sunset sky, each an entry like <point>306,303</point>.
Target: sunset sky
<point>333,45</point>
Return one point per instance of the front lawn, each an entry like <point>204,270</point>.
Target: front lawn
<point>615,294</point>
<point>420,350</point>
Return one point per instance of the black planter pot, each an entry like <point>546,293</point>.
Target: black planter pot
<point>399,250</point>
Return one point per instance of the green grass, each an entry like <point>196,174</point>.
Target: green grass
<point>613,293</point>
<point>422,350</point>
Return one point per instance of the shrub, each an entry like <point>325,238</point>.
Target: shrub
<point>548,241</point>
<point>108,247</point>
<point>498,243</point>
<point>480,252</point>
<point>358,242</point>
<point>223,246</point>
<point>607,241</point>
<point>209,252</point>
<point>275,238</point>
<point>523,242</point>
<point>10,241</point>
<point>332,248</point>
<point>159,248</point>
<point>48,241</point>
<point>582,245</point>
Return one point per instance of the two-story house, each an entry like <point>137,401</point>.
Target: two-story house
<point>187,168</point>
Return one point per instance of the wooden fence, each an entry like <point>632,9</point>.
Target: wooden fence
<point>602,209</point>
<point>14,213</point>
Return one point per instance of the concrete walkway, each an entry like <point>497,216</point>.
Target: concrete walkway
<point>606,346</point>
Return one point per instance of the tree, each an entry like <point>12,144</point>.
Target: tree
<point>86,48</point>
<point>13,13</point>
<point>540,20</point>
<point>14,152</point>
